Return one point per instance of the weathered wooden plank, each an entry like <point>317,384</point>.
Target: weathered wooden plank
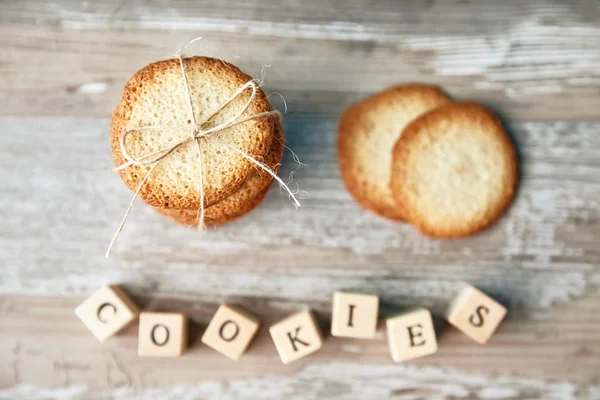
<point>61,204</point>
<point>43,346</point>
<point>530,61</point>
<point>354,20</point>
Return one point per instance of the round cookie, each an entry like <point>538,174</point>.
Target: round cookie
<point>366,135</point>
<point>454,170</point>
<point>248,197</point>
<point>156,96</point>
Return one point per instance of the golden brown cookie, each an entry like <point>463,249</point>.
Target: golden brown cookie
<point>190,217</point>
<point>156,96</point>
<point>248,197</point>
<point>454,170</point>
<point>366,135</point>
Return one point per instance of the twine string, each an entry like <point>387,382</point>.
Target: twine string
<point>199,132</point>
<point>200,215</point>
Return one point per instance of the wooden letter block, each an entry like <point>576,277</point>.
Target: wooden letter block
<point>476,314</point>
<point>107,311</point>
<point>162,334</point>
<point>296,336</point>
<point>411,335</point>
<point>230,331</point>
<point>354,315</point>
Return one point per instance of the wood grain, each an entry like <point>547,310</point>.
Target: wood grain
<point>530,61</point>
<point>545,346</point>
<point>61,203</point>
<point>62,67</point>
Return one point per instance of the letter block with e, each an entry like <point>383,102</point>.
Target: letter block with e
<point>107,311</point>
<point>476,314</point>
<point>230,331</point>
<point>162,334</point>
<point>411,335</point>
<point>296,336</point>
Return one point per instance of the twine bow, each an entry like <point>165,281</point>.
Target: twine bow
<point>198,132</point>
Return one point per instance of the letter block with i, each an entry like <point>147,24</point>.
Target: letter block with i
<point>230,331</point>
<point>162,334</point>
<point>475,314</point>
<point>107,311</point>
<point>354,315</point>
<point>411,335</point>
<point>296,336</point>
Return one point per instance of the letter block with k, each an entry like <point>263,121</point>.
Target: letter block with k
<point>231,330</point>
<point>296,336</point>
<point>476,314</point>
<point>107,311</point>
<point>411,335</point>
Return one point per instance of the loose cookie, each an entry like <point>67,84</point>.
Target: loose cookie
<point>454,170</point>
<point>156,96</point>
<point>248,197</point>
<point>366,135</point>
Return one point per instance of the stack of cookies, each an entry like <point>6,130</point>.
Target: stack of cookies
<point>159,109</point>
<point>411,154</point>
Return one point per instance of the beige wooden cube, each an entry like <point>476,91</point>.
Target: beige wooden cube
<point>162,334</point>
<point>354,315</point>
<point>107,311</point>
<point>411,335</point>
<point>230,331</point>
<point>296,336</point>
<point>476,314</point>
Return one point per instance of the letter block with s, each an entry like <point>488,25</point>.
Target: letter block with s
<point>411,335</point>
<point>230,331</point>
<point>476,314</point>
<point>162,334</point>
<point>296,336</point>
<point>107,311</point>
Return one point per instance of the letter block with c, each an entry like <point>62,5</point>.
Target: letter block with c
<point>162,334</point>
<point>296,336</point>
<point>411,335</point>
<point>476,314</point>
<point>107,311</point>
<point>230,331</point>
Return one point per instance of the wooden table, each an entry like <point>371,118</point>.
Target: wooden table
<point>62,67</point>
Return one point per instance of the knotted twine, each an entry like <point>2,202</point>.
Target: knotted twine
<point>198,133</point>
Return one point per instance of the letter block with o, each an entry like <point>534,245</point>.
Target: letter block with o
<point>296,336</point>
<point>162,334</point>
<point>476,314</point>
<point>230,331</point>
<point>411,335</point>
<point>107,311</point>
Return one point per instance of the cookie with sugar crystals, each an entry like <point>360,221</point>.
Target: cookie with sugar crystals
<point>367,133</point>
<point>156,96</point>
<point>454,170</point>
<point>247,198</point>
